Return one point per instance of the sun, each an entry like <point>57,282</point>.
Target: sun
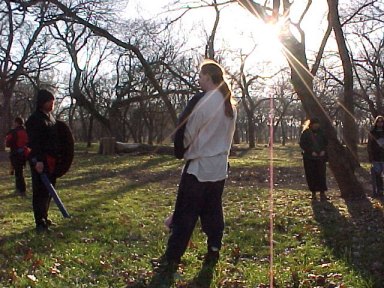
<point>250,35</point>
<point>269,46</point>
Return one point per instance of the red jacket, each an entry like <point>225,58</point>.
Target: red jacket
<point>17,138</point>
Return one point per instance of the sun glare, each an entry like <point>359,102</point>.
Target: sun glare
<point>269,45</point>
<point>247,33</point>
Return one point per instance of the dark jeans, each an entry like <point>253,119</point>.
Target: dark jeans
<point>377,170</point>
<point>18,163</point>
<point>196,199</point>
<point>315,173</point>
<point>41,197</point>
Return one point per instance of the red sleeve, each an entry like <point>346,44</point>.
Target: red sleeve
<point>8,140</point>
<point>22,138</point>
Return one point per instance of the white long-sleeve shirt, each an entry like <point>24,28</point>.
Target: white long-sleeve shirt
<point>209,134</point>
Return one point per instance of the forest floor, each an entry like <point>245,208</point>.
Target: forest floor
<point>118,205</point>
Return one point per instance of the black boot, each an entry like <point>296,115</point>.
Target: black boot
<point>164,272</point>
<point>42,227</point>
<point>322,196</point>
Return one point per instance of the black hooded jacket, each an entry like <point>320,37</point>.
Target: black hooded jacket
<point>42,136</point>
<point>178,142</point>
<point>376,145</point>
<point>313,141</point>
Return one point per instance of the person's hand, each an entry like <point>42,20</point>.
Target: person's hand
<point>322,153</point>
<point>314,154</point>
<point>39,167</point>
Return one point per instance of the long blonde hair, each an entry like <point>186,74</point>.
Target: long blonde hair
<point>215,71</point>
<point>307,124</point>
<point>379,117</point>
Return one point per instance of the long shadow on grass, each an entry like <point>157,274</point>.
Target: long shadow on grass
<point>132,172</point>
<point>9,195</point>
<point>133,181</point>
<point>202,280</point>
<point>88,226</point>
<point>356,240</point>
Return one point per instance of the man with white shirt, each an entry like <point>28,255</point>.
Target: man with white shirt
<point>207,138</point>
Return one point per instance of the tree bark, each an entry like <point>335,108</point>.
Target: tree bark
<point>341,161</point>
<point>349,129</point>
<point>90,130</point>
<point>146,66</point>
<point>5,116</point>
<point>210,47</point>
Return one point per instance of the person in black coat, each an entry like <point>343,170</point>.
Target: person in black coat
<point>43,142</point>
<point>314,145</point>
<point>375,149</point>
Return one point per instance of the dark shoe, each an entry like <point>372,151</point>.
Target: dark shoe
<point>162,279</point>
<point>205,276</point>
<point>323,197</point>
<point>42,228</point>
<point>212,257</point>
<point>49,222</point>
<point>20,193</point>
<point>163,263</point>
<point>164,272</point>
<point>313,197</point>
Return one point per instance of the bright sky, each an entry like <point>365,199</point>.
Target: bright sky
<point>237,26</point>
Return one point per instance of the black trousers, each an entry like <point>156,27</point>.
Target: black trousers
<point>41,197</point>
<point>18,163</point>
<point>196,199</point>
<point>315,173</point>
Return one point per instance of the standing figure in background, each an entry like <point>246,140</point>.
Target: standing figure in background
<point>16,139</point>
<point>314,145</point>
<point>376,155</point>
<point>43,141</point>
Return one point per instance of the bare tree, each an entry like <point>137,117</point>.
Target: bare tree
<point>369,71</point>
<point>342,160</point>
<point>210,47</point>
<point>368,43</point>
<point>350,129</point>
<point>17,43</point>
<point>251,95</point>
<point>283,96</point>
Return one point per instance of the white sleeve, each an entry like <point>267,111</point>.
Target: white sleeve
<point>193,127</point>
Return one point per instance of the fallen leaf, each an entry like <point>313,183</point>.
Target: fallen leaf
<point>28,255</point>
<point>32,278</point>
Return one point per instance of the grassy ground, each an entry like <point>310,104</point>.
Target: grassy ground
<point>118,205</point>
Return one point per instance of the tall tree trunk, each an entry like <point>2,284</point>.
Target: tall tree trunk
<point>210,47</point>
<point>84,126</point>
<point>350,133</point>
<point>115,123</point>
<point>6,116</point>
<point>283,133</point>
<point>250,124</point>
<point>251,132</point>
<point>341,161</point>
<point>236,136</point>
<point>90,130</point>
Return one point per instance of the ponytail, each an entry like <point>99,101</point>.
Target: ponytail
<point>216,72</point>
<point>227,94</point>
